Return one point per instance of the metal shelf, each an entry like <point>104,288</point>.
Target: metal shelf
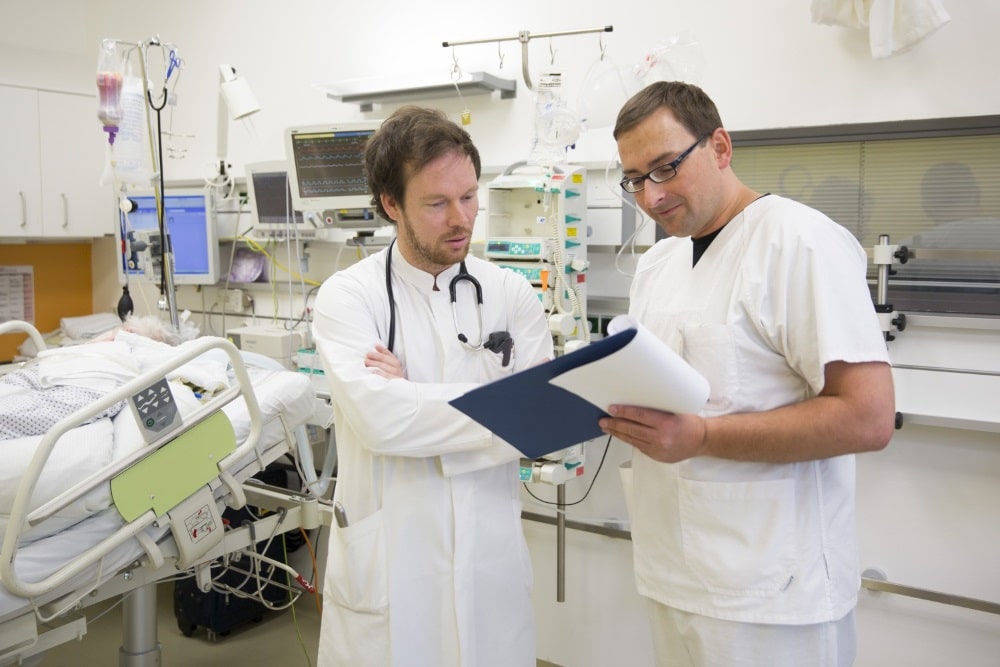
<point>370,92</point>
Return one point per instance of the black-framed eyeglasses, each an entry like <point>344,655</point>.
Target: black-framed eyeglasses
<point>661,174</point>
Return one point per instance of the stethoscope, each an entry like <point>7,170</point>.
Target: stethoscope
<point>463,274</point>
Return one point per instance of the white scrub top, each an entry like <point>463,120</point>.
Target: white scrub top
<point>778,294</point>
<point>433,567</point>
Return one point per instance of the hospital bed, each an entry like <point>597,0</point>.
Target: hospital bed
<point>111,507</point>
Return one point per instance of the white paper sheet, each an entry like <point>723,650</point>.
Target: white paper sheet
<point>645,373</point>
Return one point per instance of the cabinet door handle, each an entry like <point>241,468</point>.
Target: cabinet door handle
<point>24,209</point>
<point>65,210</point>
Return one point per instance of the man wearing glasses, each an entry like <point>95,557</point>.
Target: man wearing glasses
<point>743,514</point>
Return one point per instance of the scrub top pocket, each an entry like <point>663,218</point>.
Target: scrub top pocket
<point>739,537</point>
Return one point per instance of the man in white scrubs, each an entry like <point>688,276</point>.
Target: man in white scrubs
<point>743,514</point>
<point>430,567</point>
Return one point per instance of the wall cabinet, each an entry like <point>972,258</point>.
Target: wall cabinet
<point>51,163</point>
<point>20,164</point>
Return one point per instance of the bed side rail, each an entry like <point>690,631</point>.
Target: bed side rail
<point>21,516</point>
<point>20,326</point>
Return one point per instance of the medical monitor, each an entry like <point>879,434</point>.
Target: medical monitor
<point>270,199</point>
<point>327,173</point>
<point>189,220</point>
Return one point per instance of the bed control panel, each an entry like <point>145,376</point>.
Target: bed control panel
<point>155,410</point>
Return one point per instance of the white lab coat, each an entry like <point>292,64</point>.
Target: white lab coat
<point>433,568</point>
<point>778,294</point>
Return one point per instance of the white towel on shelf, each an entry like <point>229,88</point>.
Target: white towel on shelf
<point>893,25</point>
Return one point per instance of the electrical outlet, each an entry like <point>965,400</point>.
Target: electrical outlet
<point>237,300</point>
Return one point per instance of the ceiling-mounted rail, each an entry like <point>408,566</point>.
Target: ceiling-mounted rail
<point>524,37</point>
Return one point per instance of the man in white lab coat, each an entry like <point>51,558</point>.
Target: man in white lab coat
<point>743,514</point>
<point>430,567</point>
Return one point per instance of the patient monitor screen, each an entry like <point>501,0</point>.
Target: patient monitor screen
<point>327,174</point>
<point>190,225</point>
<point>272,200</point>
<point>328,164</point>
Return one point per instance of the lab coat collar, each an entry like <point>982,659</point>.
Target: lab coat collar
<point>418,277</point>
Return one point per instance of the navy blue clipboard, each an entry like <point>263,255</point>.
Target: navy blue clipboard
<point>537,417</point>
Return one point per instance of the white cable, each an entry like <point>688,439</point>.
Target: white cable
<point>642,220</point>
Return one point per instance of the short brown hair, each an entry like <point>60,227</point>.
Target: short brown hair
<point>691,106</point>
<point>404,144</point>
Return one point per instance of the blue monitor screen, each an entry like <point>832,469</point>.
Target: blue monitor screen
<point>190,226</point>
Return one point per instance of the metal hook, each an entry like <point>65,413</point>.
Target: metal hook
<point>552,53</point>
<point>456,75</point>
<point>500,55</point>
<point>600,42</point>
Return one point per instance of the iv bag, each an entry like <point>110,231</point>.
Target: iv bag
<point>556,127</point>
<point>606,88</point>
<point>109,88</point>
<point>129,160</point>
<point>679,57</point>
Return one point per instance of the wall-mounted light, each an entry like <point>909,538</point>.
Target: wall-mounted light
<point>236,98</point>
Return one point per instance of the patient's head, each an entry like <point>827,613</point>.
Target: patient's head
<point>149,326</point>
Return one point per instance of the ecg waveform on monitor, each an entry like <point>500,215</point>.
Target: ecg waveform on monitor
<point>321,159</point>
<point>325,187</point>
<point>330,164</point>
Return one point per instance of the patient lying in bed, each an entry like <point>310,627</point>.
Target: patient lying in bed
<point>61,381</point>
<point>68,379</point>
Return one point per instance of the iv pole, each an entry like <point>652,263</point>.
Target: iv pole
<point>167,288</point>
<point>524,37</point>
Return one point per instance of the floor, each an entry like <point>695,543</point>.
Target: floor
<point>289,638</point>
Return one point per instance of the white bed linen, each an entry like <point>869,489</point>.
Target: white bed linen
<point>284,392</point>
<point>82,451</point>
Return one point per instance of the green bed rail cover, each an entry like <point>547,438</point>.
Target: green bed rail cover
<point>175,471</point>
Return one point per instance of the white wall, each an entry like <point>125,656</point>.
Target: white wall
<point>927,504</point>
<point>766,63</point>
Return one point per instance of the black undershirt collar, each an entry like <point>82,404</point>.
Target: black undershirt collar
<point>700,245</point>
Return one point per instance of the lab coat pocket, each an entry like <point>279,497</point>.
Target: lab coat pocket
<point>492,367</point>
<point>355,629</point>
<point>356,566</point>
<point>739,537</point>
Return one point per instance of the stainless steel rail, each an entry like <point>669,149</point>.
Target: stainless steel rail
<point>607,531</point>
<point>932,596</point>
<point>868,582</point>
<point>940,369</point>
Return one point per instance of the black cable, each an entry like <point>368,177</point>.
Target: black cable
<point>600,465</point>
<point>160,206</point>
<point>305,311</point>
